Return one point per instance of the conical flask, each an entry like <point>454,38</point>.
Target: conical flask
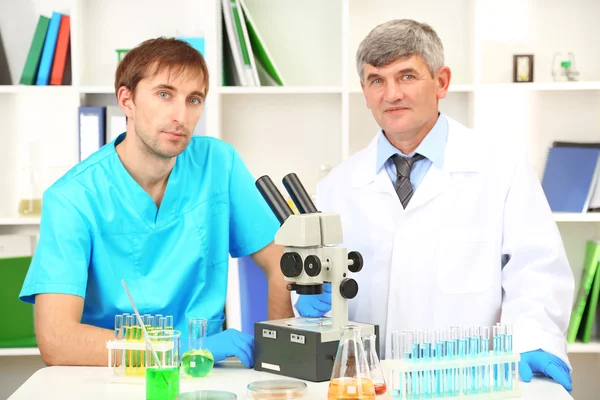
<point>375,371</point>
<point>350,378</point>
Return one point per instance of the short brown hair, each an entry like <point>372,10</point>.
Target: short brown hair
<point>154,55</point>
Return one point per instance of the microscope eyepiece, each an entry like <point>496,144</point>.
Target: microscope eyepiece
<point>274,199</point>
<point>298,194</point>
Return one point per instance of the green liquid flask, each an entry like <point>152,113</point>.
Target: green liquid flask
<point>197,362</point>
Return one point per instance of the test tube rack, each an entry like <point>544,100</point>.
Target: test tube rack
<point>127,359</point>
<point>485,376</point>
<point>127,356</point>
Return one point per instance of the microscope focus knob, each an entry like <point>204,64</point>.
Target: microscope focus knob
<point>291,264</point>
<point>348,288</point>
<point>357,261</point>
<point>312,265</point>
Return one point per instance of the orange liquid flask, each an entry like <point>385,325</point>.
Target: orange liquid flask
<point>375,371</point>
<point>350,378</point>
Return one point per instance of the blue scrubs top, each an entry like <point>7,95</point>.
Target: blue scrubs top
<point>99,226</point>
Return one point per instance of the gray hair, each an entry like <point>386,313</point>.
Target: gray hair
<point>400,38</point>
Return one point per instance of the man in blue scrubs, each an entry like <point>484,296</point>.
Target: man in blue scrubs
<point>158,207</point>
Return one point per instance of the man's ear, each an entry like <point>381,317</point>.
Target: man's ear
<point>125,100</point>
<point>443,81</point>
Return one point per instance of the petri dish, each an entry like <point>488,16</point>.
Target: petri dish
<point>207,395</point>
<point>280,389</point>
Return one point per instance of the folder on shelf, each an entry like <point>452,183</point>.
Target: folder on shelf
<point>62,51</point>
<point>236,36</point>
<point>590,266</point>
<point>91,130</point>
<point>588,319</point>
<point>5,78</point>
<point>115,122</point>
<point>43,76</point>
<point>18,317</point>
<point>267,70</point>
<point>570,178</point>
<point>576,144</point>
<point>32,64</point>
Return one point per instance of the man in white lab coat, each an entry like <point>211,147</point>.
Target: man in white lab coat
<point>453,225</point>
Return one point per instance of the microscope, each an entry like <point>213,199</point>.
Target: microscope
<point>305,348</point>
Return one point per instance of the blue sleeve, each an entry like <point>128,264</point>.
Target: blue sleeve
<point>62,255</point>
<point>252,224</point>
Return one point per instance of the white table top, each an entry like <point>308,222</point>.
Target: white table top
<point>92,383</point>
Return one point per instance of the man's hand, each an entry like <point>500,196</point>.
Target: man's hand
<point>539,361</point>
<point>231,343</point>
<point>315,305</point>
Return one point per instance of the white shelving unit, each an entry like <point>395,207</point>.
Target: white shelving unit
<point>17,352</point>
<point>319,119</point>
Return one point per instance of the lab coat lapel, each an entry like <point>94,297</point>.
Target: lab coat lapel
<point>435,182</point>
<point>459,157</point>
<point>365,175</point>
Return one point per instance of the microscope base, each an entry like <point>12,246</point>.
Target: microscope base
<point>306,353</point>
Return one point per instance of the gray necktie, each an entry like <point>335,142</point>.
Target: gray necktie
<point>403,167</point>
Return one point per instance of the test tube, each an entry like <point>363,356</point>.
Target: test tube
<point>169,323</point>
<point>451,386</point>
<point>440,354</point>
<point>395,386</point>
<point>463,337</point>
<point>508,368</point>
<point>162,323</point>
<point>416,356</point>
<point>116,353</point>
<point>128,338</point>
<point>428,375</point>
<point>150,323</point>
<point>408,377</point>
<point>496,353</point>
<point>485,352</point>
<point>474,346</point>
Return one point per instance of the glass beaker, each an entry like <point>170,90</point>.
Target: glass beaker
<point>370,343</point>
<point>350,378</point>
<point>30,196</point>
<point>197,361</point>
<point>162,365</point>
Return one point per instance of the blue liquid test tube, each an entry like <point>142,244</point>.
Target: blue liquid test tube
<point>474,346</point>
<point>501,367</point>
<point>416,356</point>
<point>463,349</point>
<point>440,354</point>
<point>496,353</point>
<point>407,377</point>
<point>451,387</point>
<point>508,370</point>
<point>426,376</point>
<point>485,352</point>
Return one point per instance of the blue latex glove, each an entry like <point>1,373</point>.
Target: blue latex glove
<point>231,343</point>
<point>315,305</point>
<point>538,361</point>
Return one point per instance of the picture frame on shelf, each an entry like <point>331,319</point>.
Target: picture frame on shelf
<point>522,68</point>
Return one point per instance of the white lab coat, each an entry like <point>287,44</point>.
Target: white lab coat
<point>476,245</point>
